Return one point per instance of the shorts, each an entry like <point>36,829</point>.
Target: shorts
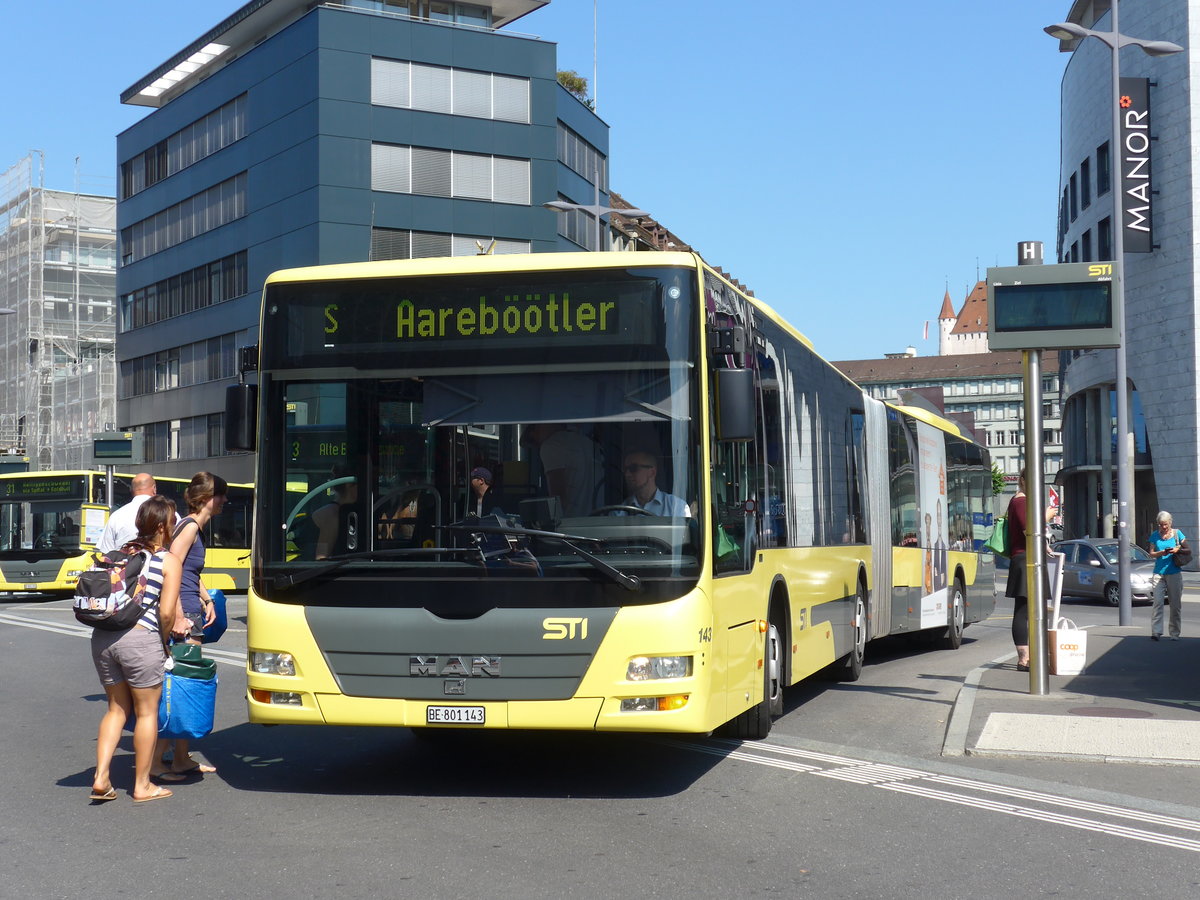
<point>135,655</point>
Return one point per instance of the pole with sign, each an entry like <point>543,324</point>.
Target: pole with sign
<point>1070,306</point>
<point>113,448</point>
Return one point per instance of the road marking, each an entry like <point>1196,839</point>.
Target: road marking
<point>1195,703</point>
<point>228,657</point>
<point>932,786</point>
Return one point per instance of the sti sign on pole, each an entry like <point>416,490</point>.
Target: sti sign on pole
<point>1070,306</point>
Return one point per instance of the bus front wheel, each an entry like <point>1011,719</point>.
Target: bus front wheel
<point>755,723</point>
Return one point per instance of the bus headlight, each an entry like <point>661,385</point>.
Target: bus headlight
<point>272,663</point>
<point>658,668</point>
<point>654,704</point>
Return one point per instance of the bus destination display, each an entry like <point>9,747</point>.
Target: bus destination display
<point>365,317</point>
<point>69,487</point>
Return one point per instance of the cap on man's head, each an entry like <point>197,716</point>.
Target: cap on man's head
<point>481,472</point>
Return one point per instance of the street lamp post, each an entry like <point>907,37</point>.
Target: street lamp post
<point>595,209</point>
<point>1114,40</point>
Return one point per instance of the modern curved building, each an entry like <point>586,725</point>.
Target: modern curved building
<point>1156,152</point>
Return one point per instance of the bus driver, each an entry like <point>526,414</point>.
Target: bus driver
<point>641,479</point>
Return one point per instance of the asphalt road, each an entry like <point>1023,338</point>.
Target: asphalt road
<point>849,797</point>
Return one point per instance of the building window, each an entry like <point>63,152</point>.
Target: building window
<point>1085,246</point>
<point>396,243</point>
<point>1073,194</point>
<point>581,157</point>
<point>1104,248</point>
<point>440,89</point>
<point>191,364</point>
<point>1103,172</point>
<point>201,139</point>
<point>449,173</point>
<point>194,289</point>
<point>1085,183</point>
<point>204,212</point>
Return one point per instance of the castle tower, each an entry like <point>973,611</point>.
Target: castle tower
<point>946,320</point>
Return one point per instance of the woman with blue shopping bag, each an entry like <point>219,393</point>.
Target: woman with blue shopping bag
<point>205,496</point>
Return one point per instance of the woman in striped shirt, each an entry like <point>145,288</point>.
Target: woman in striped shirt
<point>130,662</point>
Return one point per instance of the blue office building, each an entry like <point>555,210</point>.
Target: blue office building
<point>299,133</point>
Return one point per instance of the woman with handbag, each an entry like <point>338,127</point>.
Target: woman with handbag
<point>205,496</point>
<point>1170,549</point>
<point>1016,587</point>
<point>130,662</point>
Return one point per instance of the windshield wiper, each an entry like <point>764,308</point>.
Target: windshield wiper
<point>283,582</point>
<point>629,582</point>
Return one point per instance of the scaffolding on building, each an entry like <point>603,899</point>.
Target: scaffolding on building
<point>58,376</point>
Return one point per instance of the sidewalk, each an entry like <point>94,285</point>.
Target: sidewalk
<point>1137,701</point>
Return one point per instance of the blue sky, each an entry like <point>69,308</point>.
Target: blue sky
<point>846,161</point>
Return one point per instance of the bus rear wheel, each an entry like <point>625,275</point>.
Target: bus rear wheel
<point>849,667</point>
<point>957,614</point>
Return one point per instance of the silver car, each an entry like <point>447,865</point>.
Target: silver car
<point>1091,570</point>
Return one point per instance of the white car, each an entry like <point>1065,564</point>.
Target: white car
<point>1091,570</point>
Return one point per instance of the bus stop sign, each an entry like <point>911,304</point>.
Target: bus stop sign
<point>117,448</point>
<point>1070,306</point>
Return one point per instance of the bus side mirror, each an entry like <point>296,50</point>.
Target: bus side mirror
<point>735,404</point>
<point>241,417</point>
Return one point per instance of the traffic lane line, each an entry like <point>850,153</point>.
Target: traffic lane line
<point>931,786</point>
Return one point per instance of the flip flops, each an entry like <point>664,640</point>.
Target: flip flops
<point>196,768</point>
<point>103,796</point>
<point>160,794</point>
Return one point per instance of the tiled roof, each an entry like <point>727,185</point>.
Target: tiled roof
<point>947,307</point>
<point>973,317</point>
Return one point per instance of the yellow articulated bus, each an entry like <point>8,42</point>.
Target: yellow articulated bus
<point>590,491</point>
<point>50,523</point>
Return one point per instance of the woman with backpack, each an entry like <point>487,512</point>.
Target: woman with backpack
<point>205,496</point>
<point>130,662</point>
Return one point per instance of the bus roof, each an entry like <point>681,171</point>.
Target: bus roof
<point>933,419</point>
<point>513,262</point>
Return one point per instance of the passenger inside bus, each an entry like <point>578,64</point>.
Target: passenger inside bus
<point>572,466</point>
<point>336,525</point>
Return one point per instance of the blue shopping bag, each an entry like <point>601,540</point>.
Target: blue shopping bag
<point>213,632</point>
<point>187,706</point>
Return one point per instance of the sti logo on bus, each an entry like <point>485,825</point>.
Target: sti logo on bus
<point>457,666</point>
<point>564,629</point>
<point>1099,269</point>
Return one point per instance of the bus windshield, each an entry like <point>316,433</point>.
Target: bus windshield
<point>42,514</point>
<point>543,454</point>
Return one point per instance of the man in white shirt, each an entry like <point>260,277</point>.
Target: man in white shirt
<point>122,523</point>
<point>573,465</point>
<point>641,474</point>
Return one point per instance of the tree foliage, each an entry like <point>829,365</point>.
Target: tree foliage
<point>997,481</point>
<point>576,84</point>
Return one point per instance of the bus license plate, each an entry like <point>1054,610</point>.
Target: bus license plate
<point>454,715</point>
